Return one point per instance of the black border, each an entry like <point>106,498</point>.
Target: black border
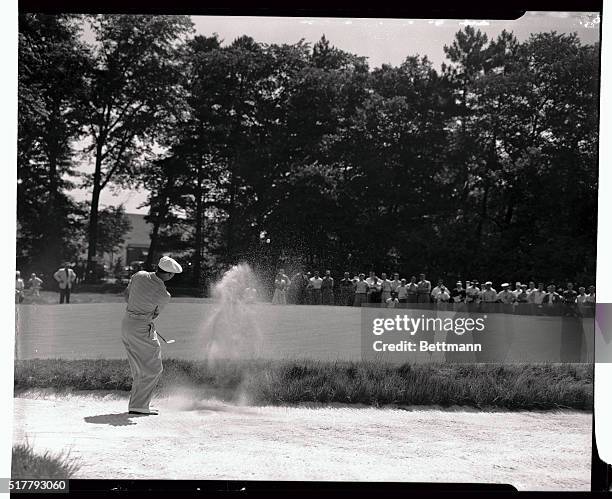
<point>508,9</point>
<point>601,474</point>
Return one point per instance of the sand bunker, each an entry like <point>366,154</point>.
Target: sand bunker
<point>208,439</point>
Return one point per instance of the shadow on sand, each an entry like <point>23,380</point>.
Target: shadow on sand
<point>117,419</point>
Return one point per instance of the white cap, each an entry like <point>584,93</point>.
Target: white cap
<point>168,264</point>
<point>505,285</point>
<point>488,282</point>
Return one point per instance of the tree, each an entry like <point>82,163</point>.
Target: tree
<point>113,225</point>
<point>51,83</point>
<point>132,90</point>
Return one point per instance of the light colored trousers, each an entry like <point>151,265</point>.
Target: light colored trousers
<point>144,355</point>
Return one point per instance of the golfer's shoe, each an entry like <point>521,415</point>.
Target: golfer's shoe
<point>146,412</point>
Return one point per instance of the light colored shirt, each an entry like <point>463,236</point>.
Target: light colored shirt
<point>19,285</point>
<point>424,286</point>
<point>506,296</point>
<point>395,283</point>
<point>35,282</point>
<point>488,295</point>
<point>536,296</point>
<point>391,302</point>
<point>361,287</point>
<point>386,285</point>
<point>437,292</point>
<point>146,296</point>
<point>402,292</point>
<point>282,281</point>
<point>65,279</point>
<point>316,282</point>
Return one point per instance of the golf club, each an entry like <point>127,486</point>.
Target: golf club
<point>168,342</point>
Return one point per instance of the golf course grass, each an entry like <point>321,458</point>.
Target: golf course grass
<point>484,386</point>
<point>26,464</point>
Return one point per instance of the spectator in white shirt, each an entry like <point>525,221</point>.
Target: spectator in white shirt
<point>361,291</point>
<point>488,294</point>
<point>315,285</point>
<point>65,277</point>
<point>395,283</point>
<point>537,295</point>
<point>505,295</point>
<point>385,288</point>
<point>402,292</point>
<point>19,287</point>
<point>440,294</point>
<point>35,284</point>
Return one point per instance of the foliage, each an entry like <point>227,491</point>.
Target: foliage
<point>514,387</point>
<point>302,155</point>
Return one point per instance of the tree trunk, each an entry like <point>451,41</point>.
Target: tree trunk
<point>154,241</point>
<point>231,213</point>
<point>197,279</point>
<point>93,217</point>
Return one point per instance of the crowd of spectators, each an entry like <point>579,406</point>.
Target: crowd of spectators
<point>314,289</point>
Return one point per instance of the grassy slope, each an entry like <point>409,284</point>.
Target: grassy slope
<point>25,464</point>
<point>542,386</point>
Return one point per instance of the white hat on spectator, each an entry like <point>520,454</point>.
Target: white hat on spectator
<point>505,285</point>
<point>489,283</point>
<point>168,264</point>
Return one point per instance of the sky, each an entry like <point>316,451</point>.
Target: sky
<point>382,41</point>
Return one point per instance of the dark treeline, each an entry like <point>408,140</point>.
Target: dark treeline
<point>304,155</point>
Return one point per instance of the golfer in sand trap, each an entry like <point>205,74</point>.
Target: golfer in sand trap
<point>146,296</point>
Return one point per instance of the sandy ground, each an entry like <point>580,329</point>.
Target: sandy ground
<point>209,439</point>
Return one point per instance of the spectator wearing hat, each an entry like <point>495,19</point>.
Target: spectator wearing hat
<point>146,296</point>
<point>488,294</point>
<point>551,297</point>
<point>472,293</point>
<point>458,293</point>
<point>506,296</point>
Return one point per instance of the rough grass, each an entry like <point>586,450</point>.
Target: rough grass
<point>26,464</point>
<point>513,387</point>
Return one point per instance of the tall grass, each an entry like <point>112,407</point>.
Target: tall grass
<point>27,464</point>
<point>526,386</point>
